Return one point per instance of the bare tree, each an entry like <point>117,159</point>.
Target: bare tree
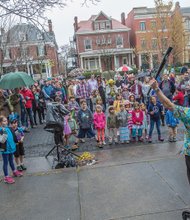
<point>33,10</point>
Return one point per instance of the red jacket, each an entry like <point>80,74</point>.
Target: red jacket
<point>28,96</point>
<point>137,117</point>
<point>179,97</point>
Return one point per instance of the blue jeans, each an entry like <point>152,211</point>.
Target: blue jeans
<point>8,158</point>
<point>152,122</point>
<point>186,101</point>
<point>29,114</point>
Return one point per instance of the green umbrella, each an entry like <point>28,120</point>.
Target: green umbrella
<point>15,80</point>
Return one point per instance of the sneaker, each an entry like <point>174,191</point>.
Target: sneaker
<point>82,140</point>
<point>74,147</point>
<point>104,143</point>
<point>160,139</point>
<point>127,142</point>
<point>17,173</point>
<point>170,139</point>
<point>23,167</point>
<point>19,168</point>
<point>174,139</point>
<point>149,140</point>
<point>110,142</point>
<point>9,180</point>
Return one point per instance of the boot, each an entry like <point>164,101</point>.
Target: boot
<point>133,139</point>
<point>160,138</point>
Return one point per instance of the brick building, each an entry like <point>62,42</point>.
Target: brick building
<point>26,48</point>
<point>149,36</point>
<point>102,43</point>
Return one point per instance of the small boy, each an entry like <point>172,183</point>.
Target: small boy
<point>19,153</point>
<point>73,106</point>
<point>112,125</point>
<point>85,120</point>
<point>122,118</point>
<point>172,123</point>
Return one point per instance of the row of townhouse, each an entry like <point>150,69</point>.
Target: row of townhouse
<point>104,43</point>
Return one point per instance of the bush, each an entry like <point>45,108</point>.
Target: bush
<point>89,73</point>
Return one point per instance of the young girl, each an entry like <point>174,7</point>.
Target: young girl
<point>129,111</point>
<point>99,124</point>
<point>137,117</point>
<point>19,153</point>
<point>122,118</point>
<point>9,149</point>
<point>73,125</point>
<point>145,120</point>
<point>112,125</point>
<point>132,99</point>
<point>117,103</point>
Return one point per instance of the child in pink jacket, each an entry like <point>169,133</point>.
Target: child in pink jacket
<point>137,117</point>
<point>100,124</point>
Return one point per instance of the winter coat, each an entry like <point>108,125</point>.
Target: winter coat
<point>99,120</point>
<point>5,107</point>
<point>171,121</point>
<point>179,98</point>
<point>15,101</point>
<point>112,121</point>
<point>122,118</point>
<point>137,117</point>
<point>11,140</point>
<point>28,96</point>
<point>156,109</point>
<point>85,118</point>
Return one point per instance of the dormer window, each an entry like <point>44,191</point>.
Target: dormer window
<point>21,36</point>
<point>39,36</point>
<point>96,26</point>
<point>108,25</point>
<point>102,25</point>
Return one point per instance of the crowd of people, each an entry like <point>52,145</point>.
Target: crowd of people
<point>112,111</point>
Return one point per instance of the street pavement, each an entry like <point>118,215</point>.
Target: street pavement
<point>38,142</point>
<point>137,182</point>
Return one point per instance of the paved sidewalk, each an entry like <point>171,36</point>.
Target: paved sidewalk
<point>133,183</point>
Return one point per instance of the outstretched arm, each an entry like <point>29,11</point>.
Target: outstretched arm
<point>163,99</point>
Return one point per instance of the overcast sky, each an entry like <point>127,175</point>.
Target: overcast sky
<point>63,19</point>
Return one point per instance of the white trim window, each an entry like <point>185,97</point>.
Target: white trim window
<point>187,24</point>
<point>7,54</point>
<point>143,26</point>
<point>109,40</point>
<point>41,50</point>
<point>96,26</point>
<point>154,43</point>
<point>21,36</point>
<point>119,41</point>
<point>102,25</point>
<point>108,25</point>
<point>143,43</point>
<point>88,44</point>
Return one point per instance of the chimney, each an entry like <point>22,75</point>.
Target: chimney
<point>76,23</point>
<point>177,5</point>
<point>123,18</point>
<point>50,26</point>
